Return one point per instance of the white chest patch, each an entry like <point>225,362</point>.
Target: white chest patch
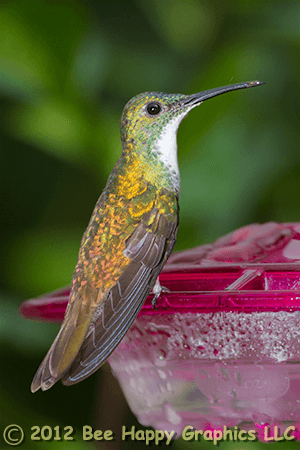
<point>166,149</point>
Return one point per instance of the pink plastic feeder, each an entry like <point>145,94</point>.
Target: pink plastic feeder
<point>224,345</point>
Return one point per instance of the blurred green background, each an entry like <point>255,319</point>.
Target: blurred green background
<point>67,69</point>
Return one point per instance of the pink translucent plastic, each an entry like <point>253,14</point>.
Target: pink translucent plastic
<point>223,347</point>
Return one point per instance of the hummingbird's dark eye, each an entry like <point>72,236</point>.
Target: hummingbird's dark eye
<point>153,108</point>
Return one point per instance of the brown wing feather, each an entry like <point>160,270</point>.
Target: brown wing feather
<point>148,249</point>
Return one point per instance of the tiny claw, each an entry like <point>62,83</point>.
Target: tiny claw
<point>164,289</point>
<point>154,301</point>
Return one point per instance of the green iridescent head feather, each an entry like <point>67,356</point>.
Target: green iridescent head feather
<point>137,125</point>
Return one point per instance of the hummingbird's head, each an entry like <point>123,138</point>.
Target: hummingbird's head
<point>150,121</point>
<point>151,114</point>
<point>148,113</point>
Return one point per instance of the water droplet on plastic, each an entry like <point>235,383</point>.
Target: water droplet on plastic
<point>169,387</point>
<point>171,415</point>
<point>162,375</point>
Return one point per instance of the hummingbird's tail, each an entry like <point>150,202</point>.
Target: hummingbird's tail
<point>62,352</point>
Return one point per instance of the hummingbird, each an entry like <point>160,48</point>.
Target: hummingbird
<point>129,238</point>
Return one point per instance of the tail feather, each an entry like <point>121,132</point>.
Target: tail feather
<point>61,353</point>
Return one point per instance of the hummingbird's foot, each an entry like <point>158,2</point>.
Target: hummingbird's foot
<point>157,289</point>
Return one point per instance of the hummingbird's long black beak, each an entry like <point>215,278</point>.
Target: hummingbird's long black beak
<point>195,99</point>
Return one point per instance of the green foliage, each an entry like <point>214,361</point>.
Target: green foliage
<point>66,70</point>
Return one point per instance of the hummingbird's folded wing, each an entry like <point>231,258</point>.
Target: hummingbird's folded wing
<point>148,248</point>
